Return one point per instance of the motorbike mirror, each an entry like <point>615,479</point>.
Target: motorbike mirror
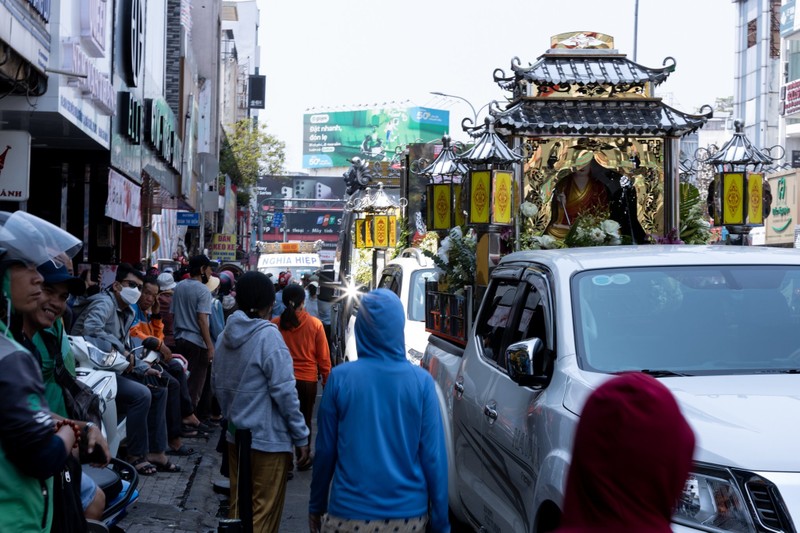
<point>151,343</point>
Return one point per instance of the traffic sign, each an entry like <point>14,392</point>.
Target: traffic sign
<point>187,218</point>
<point>277,220</point>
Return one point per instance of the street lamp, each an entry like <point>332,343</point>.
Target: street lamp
<point>474,121</point>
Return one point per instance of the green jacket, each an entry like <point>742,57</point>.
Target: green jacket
<point>26,502</point>
<point>45,341</point>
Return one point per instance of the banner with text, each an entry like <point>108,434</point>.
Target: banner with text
<point>331,139</point>
<point>223,247</point>
<point>124,199</point>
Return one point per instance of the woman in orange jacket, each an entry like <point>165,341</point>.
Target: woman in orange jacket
<point>305,337</point>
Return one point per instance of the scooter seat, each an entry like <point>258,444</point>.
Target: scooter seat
<point>106,478</point>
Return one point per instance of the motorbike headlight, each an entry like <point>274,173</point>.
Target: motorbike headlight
<point>712,501</point>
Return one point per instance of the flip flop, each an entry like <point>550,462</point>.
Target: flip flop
<point>183,451</point>
<point>147,468</point>
<point>171,468</point>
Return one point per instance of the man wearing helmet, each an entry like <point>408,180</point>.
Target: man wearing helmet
<point>34,444</point>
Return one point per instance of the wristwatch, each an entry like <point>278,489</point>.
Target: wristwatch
<point>88,426</point>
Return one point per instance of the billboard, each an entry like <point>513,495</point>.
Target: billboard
<point>331,139</point>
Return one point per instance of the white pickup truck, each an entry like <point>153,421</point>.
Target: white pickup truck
<point>718,325</point>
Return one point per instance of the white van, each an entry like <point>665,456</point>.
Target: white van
<point>297,257</point>
<point>404,275</point>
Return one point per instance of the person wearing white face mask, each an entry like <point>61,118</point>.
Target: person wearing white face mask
<point>105,320</point>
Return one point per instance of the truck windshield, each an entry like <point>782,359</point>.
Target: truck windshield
<point>689,320</point>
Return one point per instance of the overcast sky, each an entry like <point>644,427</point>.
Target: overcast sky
<point>329,54</point>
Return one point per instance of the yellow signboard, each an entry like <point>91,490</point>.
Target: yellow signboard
<point>479,197</point>
<point>440,206</point>
<point>732,198</point>
<point>223,247</point>
<point>368,232</point>
<point>501,197</point>
<point>381,228</point>
<point>459,218</point>
<point>360,223</point>
<point>392,231</point>
<point>755,213</point>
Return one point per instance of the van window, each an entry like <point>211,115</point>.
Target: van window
<point>416,293</point>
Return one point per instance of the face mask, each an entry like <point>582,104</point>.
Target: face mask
<point>130,295</point>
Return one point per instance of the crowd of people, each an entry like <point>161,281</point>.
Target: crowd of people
<point>220,354</point>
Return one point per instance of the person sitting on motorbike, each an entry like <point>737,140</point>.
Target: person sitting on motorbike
<point>33,446</point>
<point>44,326</point>
<point>105,320</point>
<point>148,323</point>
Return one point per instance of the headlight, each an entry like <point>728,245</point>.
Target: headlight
<point>712,501</point>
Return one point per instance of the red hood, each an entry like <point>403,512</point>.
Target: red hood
<point>633,451</point>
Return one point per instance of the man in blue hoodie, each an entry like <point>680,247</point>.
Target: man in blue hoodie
<point>384,408</point>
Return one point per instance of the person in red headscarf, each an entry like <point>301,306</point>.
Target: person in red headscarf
<point>632,454</point>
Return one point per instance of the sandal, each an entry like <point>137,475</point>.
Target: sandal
<point>144,467</point>
<point>167,467</point>
<point>183,451</point>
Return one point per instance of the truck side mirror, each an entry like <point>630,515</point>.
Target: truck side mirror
<point>525,362</point>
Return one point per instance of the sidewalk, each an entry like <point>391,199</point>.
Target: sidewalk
<point>185,502</point>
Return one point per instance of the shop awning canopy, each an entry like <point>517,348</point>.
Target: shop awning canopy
<point>550,116</point>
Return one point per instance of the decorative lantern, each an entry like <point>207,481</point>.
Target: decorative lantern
<point>736,197</point>
<point>376,222</point>
<point>491,185</point>
<point>445,176</point>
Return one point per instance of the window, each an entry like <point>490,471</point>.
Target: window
<point>775,30</point>
<point>752,33</point>
<point>493,322</point>
<point>391,281</point>
<point>416,293</point>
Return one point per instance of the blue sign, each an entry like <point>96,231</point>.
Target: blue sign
<point>187,218</point>
<point>277,220</point>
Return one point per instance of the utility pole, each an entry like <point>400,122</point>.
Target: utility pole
<point>635,29</point>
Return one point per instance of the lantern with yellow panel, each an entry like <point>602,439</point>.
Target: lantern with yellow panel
<point>444,187</point>
<point>736,197</point>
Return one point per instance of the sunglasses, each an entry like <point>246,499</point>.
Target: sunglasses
<point>132,284</point>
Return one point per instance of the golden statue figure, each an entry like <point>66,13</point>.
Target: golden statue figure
<point>574,194</point>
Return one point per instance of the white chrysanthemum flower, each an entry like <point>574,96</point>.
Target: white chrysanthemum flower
<point>703,223</point>
<point>528,209</point>
<point>597,235</point>
<point>610,227</point>
<point>547,241</point>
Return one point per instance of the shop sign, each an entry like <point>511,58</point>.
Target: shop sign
<point>42,8</point>
<point>93,27</point>
<point>223,247</point>
<point>257,90</point>
<point>792,100</point>
<point>131,118</point>
<point>780,226</point>
<point>188,218</point>
<point>15,162</point>
<point>160,129</point>
<point>96,86</point>
<point>124,199</point>
<point>133,45</point>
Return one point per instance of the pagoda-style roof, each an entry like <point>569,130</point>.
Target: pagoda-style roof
<point>553,116</point>
<point>567,67</point>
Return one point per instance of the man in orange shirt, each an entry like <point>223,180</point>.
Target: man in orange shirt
<point>308,345</point>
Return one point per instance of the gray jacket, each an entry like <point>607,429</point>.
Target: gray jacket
<point>99,320</point>
<point>253,378</point>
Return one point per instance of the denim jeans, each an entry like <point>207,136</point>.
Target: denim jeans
<point>157,420</point>
<point>134,400</point>
<point>174,419</point>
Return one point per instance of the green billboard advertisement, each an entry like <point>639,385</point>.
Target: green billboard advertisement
<point>331,139</point>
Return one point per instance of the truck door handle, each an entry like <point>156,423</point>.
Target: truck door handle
<point>490,412</point>
<point>459,388</point>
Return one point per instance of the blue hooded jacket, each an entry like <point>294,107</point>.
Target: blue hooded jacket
<point>380,444</point>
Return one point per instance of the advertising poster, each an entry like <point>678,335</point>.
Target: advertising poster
<point>332,139</point>
<point>223,247</point>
